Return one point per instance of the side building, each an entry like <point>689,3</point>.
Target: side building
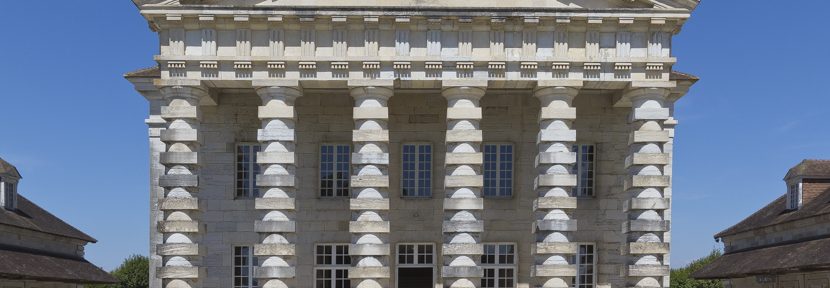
<point>412,143</point>
<point>37,249</point>
<point>785,244</point>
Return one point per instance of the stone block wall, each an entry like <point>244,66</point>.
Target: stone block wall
<point>509,116</point>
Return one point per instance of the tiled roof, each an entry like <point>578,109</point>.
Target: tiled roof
<point>677,75</point>
<point>149,72</point>
<point>802,256</point>
<point>777,213</point>
<point>8,168</point>
<point>32,217</point>
<point>810,168</point>
<point>16,263</point>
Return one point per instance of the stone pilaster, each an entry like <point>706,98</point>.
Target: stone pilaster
<point>555,203</point>
<point>180,227</point>
<point>647,184</point>
<point>463,204</point>
<point>369,201</point>
<point>277,182</point>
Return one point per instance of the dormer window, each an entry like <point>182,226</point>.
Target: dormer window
<point>9,191</point>
<point>794,196</point>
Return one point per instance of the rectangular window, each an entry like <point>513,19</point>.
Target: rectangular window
<point>416,180</point>
<point>415,254</point>
<point>332,266</point>
<point>586,264</point>
<point>335,170</point>
<point>584,169</point>
<point>499,262</point>
<point>498,170</point>
<point>793,197</point>
<point>243,267</point>
<point>246,170</point>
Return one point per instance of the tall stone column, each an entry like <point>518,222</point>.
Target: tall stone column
<point>277,183</point>
<point>181,230</point>
<point>646,228</point>
<point>555,203</point>
<point>463,181</point>
<point>369,201</point>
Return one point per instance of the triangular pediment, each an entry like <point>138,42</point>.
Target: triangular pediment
<point>437,4</point>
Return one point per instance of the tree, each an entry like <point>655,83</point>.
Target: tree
<point>680,278</point>
<point>134,272</point>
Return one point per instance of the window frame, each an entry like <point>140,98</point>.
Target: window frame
<point>417,170</point>
<point>8,191</point>
<point>254,166</point>
<point>498,170</point>
<point>577,168</point>
<point>320,168</point>
<point>252,281</point>
<point>398,265</point>
<point>332,267</point>
<point>794,196</point>
<point>498,266</point>
<point>577,262</point>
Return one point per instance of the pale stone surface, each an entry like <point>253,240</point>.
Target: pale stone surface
<point>419,59</point>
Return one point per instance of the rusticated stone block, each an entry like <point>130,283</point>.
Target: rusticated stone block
<point>556,135</point>
<point>362,181</point>
<point>647,159</point>
<point>179,135</point>
<point>274,226</point>
<point>555,180</point>
<point>567,113</point>
<point>463,226</point>
<point>648,270</point>
<point>463,136</point>
<point>645,226</point>
<point>275,158</point>
<point>457,113</point>
<point>179,112</point>
<point>651,114</point>
<point>646,204</point>
<point>559,270</point>
<point>179,158</point>
<point>275,180</point>
<point>554,203</point>
<point>642,181</point>
<point>178,226</point>
<point>557,248</point>
<point>359,113</point>
<point>370,158</point>
<point>556,225</point>
<point>464,181</point>
<point>274,272</point>
<point>648,137</point>
<point>179,180</point>
<point>463,204</point>
<point>178,249</point>
<point>369,249</point>
<point>274,204</point>
<point>462,271</point>
<point>648,248</point>
<point>370,136</point>
<point>369,226</point>
<point>179,204</point>
<point>275,135</point>
<point>275,111</point>
<point>274,249</point>
<point>462,249</point>
<point>176,272</point>
<point>368,204</point>
<point>368,272</point>
<point>548,158</point>
<point>464,158</point>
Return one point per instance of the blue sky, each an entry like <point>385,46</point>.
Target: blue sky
<point>74,126</point>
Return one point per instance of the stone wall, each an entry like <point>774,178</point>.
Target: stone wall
<point>415,116</point>
<point>793,280</point>
<point>17,237</point>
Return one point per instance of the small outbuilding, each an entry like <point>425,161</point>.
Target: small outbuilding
<point>785,244</point>
<point>38,249</point>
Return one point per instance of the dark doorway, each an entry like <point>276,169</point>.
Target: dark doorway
<point>411,277</point>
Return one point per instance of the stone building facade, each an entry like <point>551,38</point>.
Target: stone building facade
<point>412,143</point>
<point>785,244</point>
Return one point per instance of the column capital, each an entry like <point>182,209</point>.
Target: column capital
<point>641,90</point>
<point>562,92</point>
<point>184,92</point>
<point>289,93</point>
<point>464,89</point>
<point>384,92</point>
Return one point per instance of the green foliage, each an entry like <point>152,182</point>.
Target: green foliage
<point>680,278</point>
<point>134,272</point>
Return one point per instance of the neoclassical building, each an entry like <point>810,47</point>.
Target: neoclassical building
<point>412,143</point>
